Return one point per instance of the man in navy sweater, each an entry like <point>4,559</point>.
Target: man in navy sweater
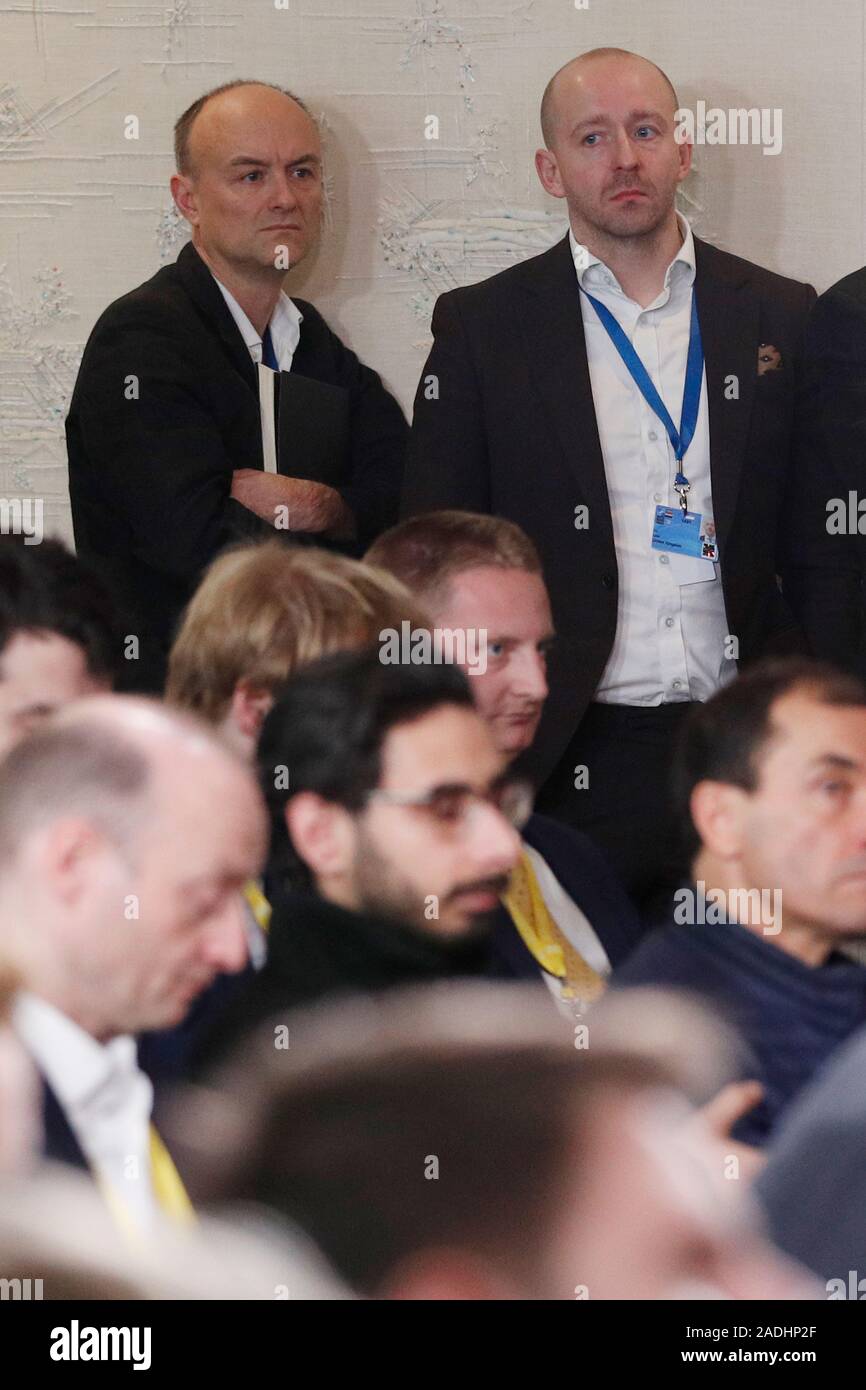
<point>770,778</point>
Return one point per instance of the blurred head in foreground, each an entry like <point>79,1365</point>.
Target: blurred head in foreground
<point>126,833</point>
<point>57,1242</point>
<point>480,578</point>
<point>455,1144</point>
<point>261,613</point>
<point>387,794</point>
<point>58,635</point>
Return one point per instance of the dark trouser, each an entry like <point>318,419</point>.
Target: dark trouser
<point>621,800</point>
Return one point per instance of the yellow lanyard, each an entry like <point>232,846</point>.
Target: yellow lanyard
<point>257,903</point>
<point>542,937</point>
<point>168,1189</point>
<point>167,1186</point>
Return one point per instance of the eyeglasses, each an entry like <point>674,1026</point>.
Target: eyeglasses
<point>451,805</point>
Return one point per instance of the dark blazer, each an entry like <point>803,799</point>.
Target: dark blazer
<point>836,377</point>
<point>149,477</point>
<point>590,882</point>
<point>511,430</point>
<point>59,1141</point>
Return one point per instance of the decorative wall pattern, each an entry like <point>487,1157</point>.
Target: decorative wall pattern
<point>85,212</point>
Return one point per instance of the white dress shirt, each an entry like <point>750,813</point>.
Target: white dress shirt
<point>106,1098</point>
<point>671,624</point>
<point>285,325</point>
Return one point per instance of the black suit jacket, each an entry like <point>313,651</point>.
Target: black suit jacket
<point>509,427</point>
<point>59,1141</point>
<point>166,406</point>
<point>836,377</point>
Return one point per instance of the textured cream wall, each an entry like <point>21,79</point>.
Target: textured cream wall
<point>86,214</point>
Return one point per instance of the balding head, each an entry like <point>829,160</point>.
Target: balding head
<point>231,100</point>
<point>127,833</point>
<point>249,180</point>
<point>609,120</point>
<point>106,758</point>
<point>573,73</point>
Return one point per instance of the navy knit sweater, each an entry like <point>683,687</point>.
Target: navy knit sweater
<point>791,1016</point>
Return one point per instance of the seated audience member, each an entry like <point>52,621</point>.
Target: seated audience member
<point>770,777</point>
<point>479,578</point>
<point>211,407</point>
<point>392,834</point>
<point>453,1144</point>
<point>126,833</point>
<point>262,612</point>
<point>813,1188</point>
<point>58,635</point>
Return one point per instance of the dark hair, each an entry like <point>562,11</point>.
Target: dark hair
<point>338,1132</point>
<point>44,588</point>
<point>723,740</point>
<point>326,731</point>
<point>183,125</point>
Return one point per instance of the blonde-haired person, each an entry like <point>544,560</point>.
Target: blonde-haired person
<point>261,613</point>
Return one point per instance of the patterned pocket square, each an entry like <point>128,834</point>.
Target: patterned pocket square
<point>769,358</point>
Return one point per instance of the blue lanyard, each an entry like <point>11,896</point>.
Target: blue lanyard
<point>680,438</point>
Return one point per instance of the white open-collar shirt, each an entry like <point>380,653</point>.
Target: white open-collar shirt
<point>105,1096</point>
<point>670,633</point>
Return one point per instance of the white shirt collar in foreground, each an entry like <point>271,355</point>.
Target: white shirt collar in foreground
<point>285,325</point>
<point>77,1067</point>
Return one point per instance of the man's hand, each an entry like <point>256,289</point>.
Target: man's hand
<point>718,1117</point>
<point>293,504</point>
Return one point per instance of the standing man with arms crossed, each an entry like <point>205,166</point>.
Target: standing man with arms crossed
<point>609,396</point>
<point>180,439</point>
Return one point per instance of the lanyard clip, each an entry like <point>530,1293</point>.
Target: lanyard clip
<point>682,488</point>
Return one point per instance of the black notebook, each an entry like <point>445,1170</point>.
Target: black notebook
<point>312,429</point>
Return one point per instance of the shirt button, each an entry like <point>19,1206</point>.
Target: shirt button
<point>652,435</point>
<point>669,622</point>
<point>663,559</point>
<point>657,497</point>
<point>676,684</point>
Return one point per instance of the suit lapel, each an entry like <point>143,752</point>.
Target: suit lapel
<point>550,321</point>
<point>729,316</point>
<point>205,293</point>
<point>60,1142</point>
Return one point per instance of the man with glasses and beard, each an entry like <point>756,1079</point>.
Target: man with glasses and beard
<point>394,830</point>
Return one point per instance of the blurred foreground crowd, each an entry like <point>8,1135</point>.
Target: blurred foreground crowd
<point>300,998</point>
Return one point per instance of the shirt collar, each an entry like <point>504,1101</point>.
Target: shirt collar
<point>594,274</point>
<point>285,323</point>
<point>75,1064</point>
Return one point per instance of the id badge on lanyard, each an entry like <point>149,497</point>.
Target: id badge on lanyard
<point>675,529</point>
